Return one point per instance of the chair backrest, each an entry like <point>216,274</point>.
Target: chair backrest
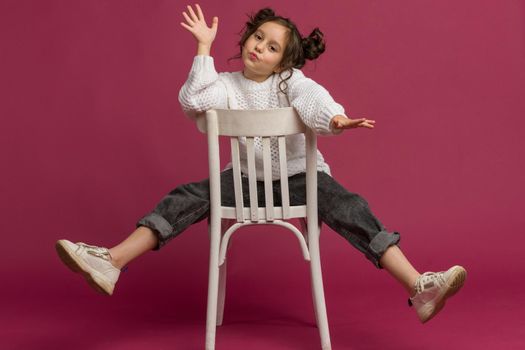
<point>264,124</point>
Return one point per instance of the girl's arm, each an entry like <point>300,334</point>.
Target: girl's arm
<point>318,109</point>
<point>203,90</point>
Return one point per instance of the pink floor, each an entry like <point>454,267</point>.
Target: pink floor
<point>162,306</point>
<point>356,322</point>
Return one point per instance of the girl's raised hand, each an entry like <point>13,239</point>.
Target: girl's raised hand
<point>196,24</point>
<point>340,122</point>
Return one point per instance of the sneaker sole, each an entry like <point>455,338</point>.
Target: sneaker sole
<point>454,284</point>
<point>75,264</point>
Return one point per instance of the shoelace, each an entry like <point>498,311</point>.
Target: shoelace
<point>96,251</point>
<point>99,252</point>
<point>425,278</point>
<point>429,277</point>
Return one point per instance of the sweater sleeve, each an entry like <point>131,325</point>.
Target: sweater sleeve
<point>203,90</point>
<point>313,103</point>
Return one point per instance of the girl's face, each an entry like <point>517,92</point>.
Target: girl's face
<point>263,51</point>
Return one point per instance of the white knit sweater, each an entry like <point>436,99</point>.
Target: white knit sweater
<point>206,89</point>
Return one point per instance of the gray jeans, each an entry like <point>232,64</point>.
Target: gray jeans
<point>346,213</point>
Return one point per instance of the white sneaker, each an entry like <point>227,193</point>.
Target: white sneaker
<point>90,261</point>
<point>433,289</point>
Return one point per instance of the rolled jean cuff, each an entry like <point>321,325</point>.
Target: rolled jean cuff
<point>379,244</point>
<point>159,226</point>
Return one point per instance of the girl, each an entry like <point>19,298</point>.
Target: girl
<point>272,51</point>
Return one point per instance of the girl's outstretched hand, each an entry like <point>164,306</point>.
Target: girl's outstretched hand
<point>340,122</point>
<point>196,24</point>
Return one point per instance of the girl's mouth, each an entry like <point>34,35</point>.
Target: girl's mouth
<point>252,56</point>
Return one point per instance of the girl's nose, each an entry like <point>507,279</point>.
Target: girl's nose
<point>258,48</point>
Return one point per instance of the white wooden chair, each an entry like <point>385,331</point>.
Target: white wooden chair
<point>274,123</point>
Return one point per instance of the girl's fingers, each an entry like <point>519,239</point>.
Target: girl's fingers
<point>215,23</point>
<point>188,19</point>
<point>199,12</point>
<point>367,122</point>
<point>192,14</point>
<point>356,122</point>
<point>186,26</point>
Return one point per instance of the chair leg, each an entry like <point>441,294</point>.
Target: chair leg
<point>222,293</point>
<point>213,285</point>
<point>318,294</point>
<point>313,298</point>
<point>225,225</point>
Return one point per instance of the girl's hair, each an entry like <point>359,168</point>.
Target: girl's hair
<point>297,50</point>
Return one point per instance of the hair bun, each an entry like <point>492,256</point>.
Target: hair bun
<point>264,13</point>
<point>313,45</point>
<point>261,15</point>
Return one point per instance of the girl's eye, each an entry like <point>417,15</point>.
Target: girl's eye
<point>257,36</point>
<point>272,48</point>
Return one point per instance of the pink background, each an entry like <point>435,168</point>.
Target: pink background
<point>92,136</point>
